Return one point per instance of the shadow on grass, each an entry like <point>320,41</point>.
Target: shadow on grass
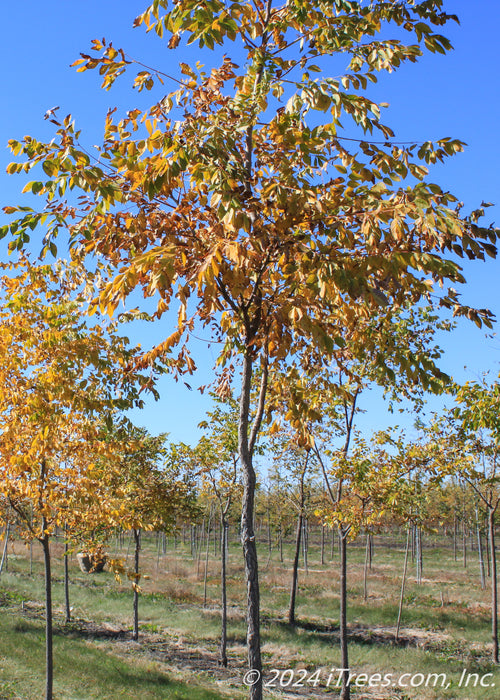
<point>156,646</point>
<point>83,629</point>
<point>85,670</point>
<point>330,634</point>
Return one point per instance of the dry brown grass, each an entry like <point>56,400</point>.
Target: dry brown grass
<point>445,619</point>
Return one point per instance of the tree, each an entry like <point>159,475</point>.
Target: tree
<point>322,404</point>
<point>471,448</point>
<point>60,382</point>
<point>217,456</point>
<point>237,199</point>
<point>296,485</point>
<point>153,495</point>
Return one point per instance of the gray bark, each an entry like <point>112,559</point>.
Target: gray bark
<point>295,570</point>
<point>137,549</point>
<point>245,446</point>
<point>494,585</point>
<point>403,582</point>
<point>223,638</point>
<point>67,607</point>
<point>345,692</point>
<point>6,542</point>
<point>49,663</point>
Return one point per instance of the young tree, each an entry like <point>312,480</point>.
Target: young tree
<point>217,456</point>
<point>472,450</point>
<point>153,494</point>
<point>60,381</point>
<point>296,489</point>
<point>237,198</point>
<point>323,403</point>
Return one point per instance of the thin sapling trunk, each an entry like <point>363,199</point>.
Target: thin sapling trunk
<point>137,549</point>
<point>295,572</point>
<point>67,607</point>
<point>49,663</point>
<point>494,584</point>
<point>403,582</point>
<point>223,637</point>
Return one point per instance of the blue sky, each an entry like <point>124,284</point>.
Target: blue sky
<point>456,95</point>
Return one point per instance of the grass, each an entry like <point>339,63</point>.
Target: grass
<point>445,627</point>
<point>84,669</point>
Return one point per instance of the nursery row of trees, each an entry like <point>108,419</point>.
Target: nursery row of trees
<point>71,459</point>
<point>292,508</point>
<point>252,201</point>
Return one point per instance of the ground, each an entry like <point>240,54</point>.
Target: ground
<point>445,626</point>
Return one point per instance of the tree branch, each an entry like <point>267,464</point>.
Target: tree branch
<point>261,403</point>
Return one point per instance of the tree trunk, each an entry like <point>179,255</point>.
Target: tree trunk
<point>67,607</point>
<point>494,586</point>
<point>223,553</point>
<point>480,552</point>
<point>254,674</point>
<point>464,545</point>
<point>488,558</point>
<point>305,543</point>
<point>322,544</point>
<point>419,558</point>
<point>31,543</point>
<point>345,692</point>
<point>137,549</point>
<point>365,570</point>
<point>49,663</point>
<point>158,550</point>
<point>205,575</point>
<point>295,572</point>
<point>199,545</point>
<point>403,582</point>
<point>455,529</point>
<point>269,538</point>
<point>6,542</point>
